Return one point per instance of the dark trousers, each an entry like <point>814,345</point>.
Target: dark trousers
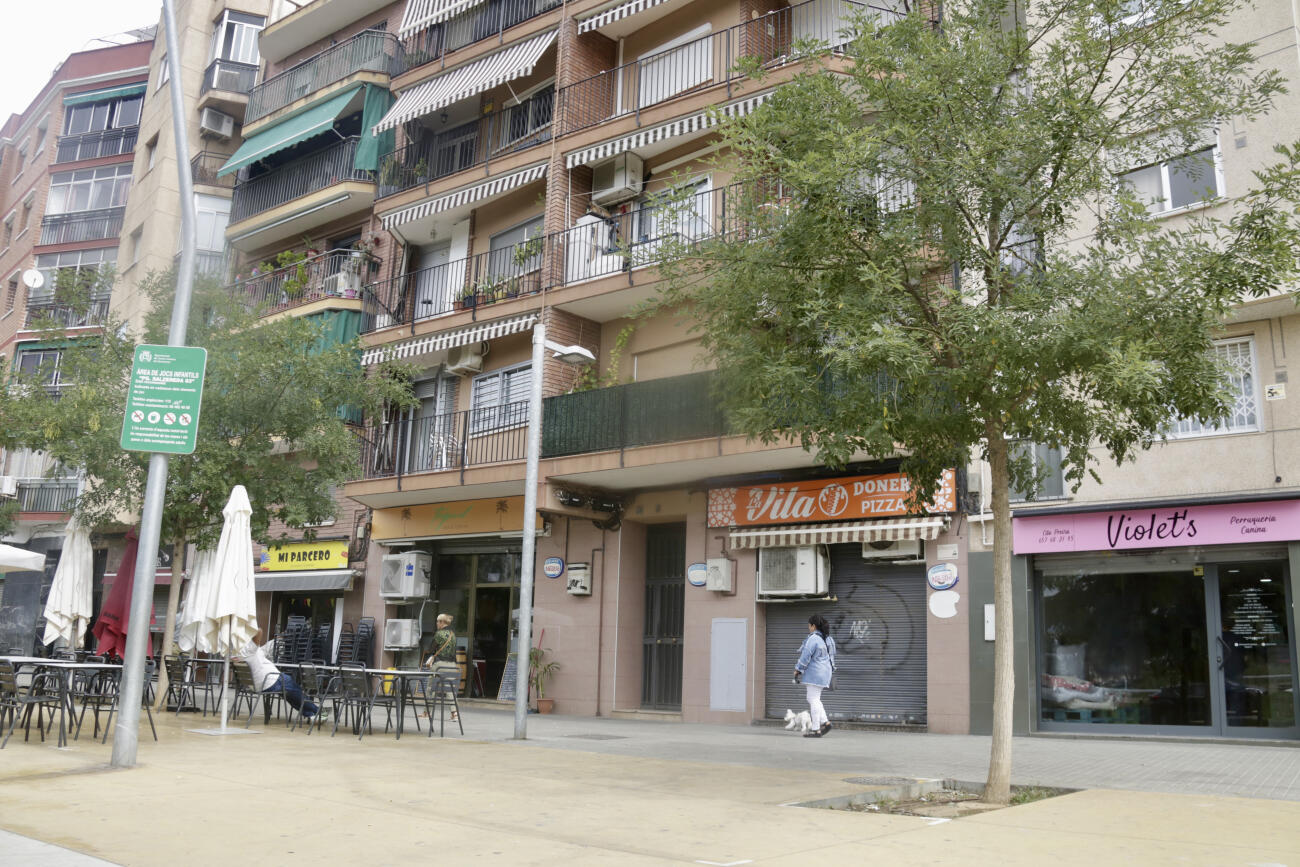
<point>293,695</point>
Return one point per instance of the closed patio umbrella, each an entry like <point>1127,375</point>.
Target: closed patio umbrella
<point>115,613</point>
<point>68,607</point>
<point>20,559</point>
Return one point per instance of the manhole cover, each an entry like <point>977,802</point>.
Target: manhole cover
<point>881,781</point>
<point>598,737</point>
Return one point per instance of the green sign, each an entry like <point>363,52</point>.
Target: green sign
<point>162,405</point>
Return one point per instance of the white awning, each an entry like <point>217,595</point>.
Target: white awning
<point>615,13</point>
<point>420,14</point>
<point>465,81</point>
<point>887,530</point>
<point>680,127</point>
<point>304,581</point>
<point>464,196</point>
<point>476,333</point>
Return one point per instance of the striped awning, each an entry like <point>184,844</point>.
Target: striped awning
<point>615,13</point>
<point>465,81</point>
<point>464,196</point>
<point>476,333</point>
<point>680,127</point>
<point>121,92</point>
<point>420,14</point>
<point>885,530</point>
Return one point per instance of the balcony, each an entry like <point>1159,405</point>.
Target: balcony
<point>511,130</point>
<point>93,145</point>
<point>230,76</point>
<point>315,172</point>
<point>368,51</point>
<point>204,168</point>
<point>82,226</point>
<point>446,442</point>
<point>47,495</point>
<point>336,274</point>
<point>207,263</point>
<point>475,25</point>
<point>45,312</point>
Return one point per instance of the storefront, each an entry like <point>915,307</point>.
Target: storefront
<point>300,590</point>
<point>1166,620</point>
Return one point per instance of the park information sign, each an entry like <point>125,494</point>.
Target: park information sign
<point>162,404</point>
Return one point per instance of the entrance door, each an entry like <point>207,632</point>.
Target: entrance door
<point>430,287</point>
<point>1254,674</point>
<point>665,601</point>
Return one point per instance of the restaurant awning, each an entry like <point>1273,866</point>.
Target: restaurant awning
<point>889,530</point>
<point>289,131</point>
<point>420,14</point>
<point>464,196</point>
<point>616,13</point>
<point>306,581</point>
<point>465,81</point>
<point>475,333</point>
<point>119,92</point>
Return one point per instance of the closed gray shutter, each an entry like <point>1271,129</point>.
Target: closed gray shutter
<point>878,623</point>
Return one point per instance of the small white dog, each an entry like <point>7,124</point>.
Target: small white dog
<point>801,721</point>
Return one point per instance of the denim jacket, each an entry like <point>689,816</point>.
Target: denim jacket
<point>817,660</point>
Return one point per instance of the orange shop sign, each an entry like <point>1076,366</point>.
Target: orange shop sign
<point>852,498</point>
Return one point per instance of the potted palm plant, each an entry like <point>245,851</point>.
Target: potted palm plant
<point>539,673</point>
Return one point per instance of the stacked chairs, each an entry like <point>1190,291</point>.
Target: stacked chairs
<point>294,644</point>
<point>322,643</point>
<point>347,644</point>
<point>357,645</point>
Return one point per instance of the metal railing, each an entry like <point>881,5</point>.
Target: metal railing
<point>707,61</point>
<point>474,25</point>
<point>204,168</point>
<point>229,75</point>
<point>92,145</point>
<point>369,50</point>
<point>46,495</point>
<point>333,274</point>
<point>446,442</point>
<point>209,263</point>
<point>82,226</point>
<point>50,313</point>
<point>510,130</point>
<point>306,175</point>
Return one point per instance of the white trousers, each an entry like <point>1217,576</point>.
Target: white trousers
<point>815,709</point>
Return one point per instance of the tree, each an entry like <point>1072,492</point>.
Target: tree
<point>933,232</point>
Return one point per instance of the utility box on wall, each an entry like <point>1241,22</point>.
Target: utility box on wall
<point>578,582</point>
<point>718,577</point>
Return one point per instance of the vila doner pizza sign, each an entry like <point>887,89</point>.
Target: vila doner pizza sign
<point>852,498</point>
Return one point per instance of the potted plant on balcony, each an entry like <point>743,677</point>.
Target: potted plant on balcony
<point>539,674</point>
<point>468,297</point>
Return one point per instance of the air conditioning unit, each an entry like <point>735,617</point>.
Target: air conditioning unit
<point>8,486</point>
<point>216,123</point>
<point>804,571</point>
<point>908,549</point>
<point>463,360</point>
<point>399,634</point>
<point>344,284</point>
<point>718,576</point>
<point>405,575</point>
<point>618,179</point>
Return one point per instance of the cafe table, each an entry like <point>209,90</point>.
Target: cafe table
<point>66,669</point>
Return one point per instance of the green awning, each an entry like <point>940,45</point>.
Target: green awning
<point>289,132</point>
<point>107,93</point>
<point>378,101</point>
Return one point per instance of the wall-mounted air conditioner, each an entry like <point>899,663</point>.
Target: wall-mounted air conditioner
<point>718,576</point>
<point>803,571</point>
<point>908,549</point>
<point>400,634</point>
<point>344,284</point>
<point>216,123</point>
<point>464,360</point>
<point>405,575</point>
<point>8,486</point>
<point>617,180</point>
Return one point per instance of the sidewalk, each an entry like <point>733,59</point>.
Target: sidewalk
<point>594,791</point>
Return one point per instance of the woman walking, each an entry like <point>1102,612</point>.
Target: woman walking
<point>814,668</point>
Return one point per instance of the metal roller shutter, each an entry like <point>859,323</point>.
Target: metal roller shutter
<point>878,623</point>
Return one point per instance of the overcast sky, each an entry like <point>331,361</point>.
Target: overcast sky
<point>41,33</point>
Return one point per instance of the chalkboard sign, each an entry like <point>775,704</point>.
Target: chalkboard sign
<point>509,678</point>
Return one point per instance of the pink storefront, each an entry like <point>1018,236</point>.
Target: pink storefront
<point>1170,619</point>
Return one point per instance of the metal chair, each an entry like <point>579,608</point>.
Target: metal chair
<point>44,691</point>
<point>246,691</point>
<point>441,694</point>
<point>313,680</point>
<point>353,700</point>
<point>178,686</point>
<point>102,692</point>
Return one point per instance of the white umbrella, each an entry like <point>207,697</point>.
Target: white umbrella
<point>68,608</point>
<point>20,559</point>
<point>197,590</point>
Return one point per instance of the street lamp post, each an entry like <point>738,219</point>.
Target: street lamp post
<point>570,355</point>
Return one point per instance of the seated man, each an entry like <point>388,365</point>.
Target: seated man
<point>268,678</point>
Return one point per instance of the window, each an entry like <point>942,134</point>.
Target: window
<point>507,260</point>
<point>89,189</point>
<point>49,264</point>
<point>41,132</point>
<point>9,228</point>
<point>234,37</point>
<point>213,214</point>
<point>27,214</point>
<point>100,116</point>
<point>11,294</point>
<point>43,364</point>
<point>682,213</point>
<point>675,66</point>
<point>164,73</point>
<point>137,238</point>
<point>1047,461</point>
<point>529,115</point>
<point>500,399</point>
<point>22,161</point>
<point>150,152</point>
<point>1178,183</point>
<point>1239,357</point>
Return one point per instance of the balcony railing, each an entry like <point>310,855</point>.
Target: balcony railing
<point>209,263</point>
<point>82,226</point>
<point>334,274</point>
<point>707,61</point>
<point>204,168</point>
<point>369,50</point>
<point>92,145</point>
<point>49,313</point>
<point>481,22</point>
<point>47,495</point>
<point>513,129</point>
<point>446,442</point>
<point>303,176</point>
<point>229,75</point>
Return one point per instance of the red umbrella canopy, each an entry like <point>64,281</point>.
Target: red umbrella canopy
<point>110,627</point>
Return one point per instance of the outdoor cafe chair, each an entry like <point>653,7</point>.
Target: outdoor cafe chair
<point>102,692</point>
<point>44,692</point>
<point>313,680</point>
<point>441,694</point>
<point>246,692</point>
<point>353,700</point>
<point>179,689</point>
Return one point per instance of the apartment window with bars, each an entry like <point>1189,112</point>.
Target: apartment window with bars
<point>1181,182</point>
<point>1047,462</point>
<point>89,189</point>
<point>1243,416</point>
<point>500,399</point>
<point>504,260</point>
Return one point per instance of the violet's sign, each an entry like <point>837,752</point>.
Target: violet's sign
<point>1228,524</point>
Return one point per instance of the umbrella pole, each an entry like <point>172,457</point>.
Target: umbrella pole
<point>225,674</point>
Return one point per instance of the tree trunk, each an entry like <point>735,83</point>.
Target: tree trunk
<point>169,624</point>
<point>998,787</point>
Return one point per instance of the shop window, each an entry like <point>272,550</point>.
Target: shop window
<point>500,399</point>
<point>1184,181</point>
<point>1047,463</point>
<point>1238,356</point>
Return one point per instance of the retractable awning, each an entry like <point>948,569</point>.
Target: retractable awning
<point>465,81</point>
<point>616,13</point>
<point>464,196</point>
<point>420,14</point>
<point>888,530</point>
<point>475,333</point>
<point>120,92</point>
<point>289,131</point>
<point>682,126</point>
<point>306,581</point>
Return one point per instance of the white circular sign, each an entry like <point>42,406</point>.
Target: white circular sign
<point>137,415</point>
<point>552,567</point>
<point>153,417</point>
<point>169,418</point>
<point>944,604</point>
<point>833,499</point>
<point>941,576</point>
<point>185,418</point>
<point>697,574</point>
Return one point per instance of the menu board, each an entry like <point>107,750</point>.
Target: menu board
<point>509,678</point>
